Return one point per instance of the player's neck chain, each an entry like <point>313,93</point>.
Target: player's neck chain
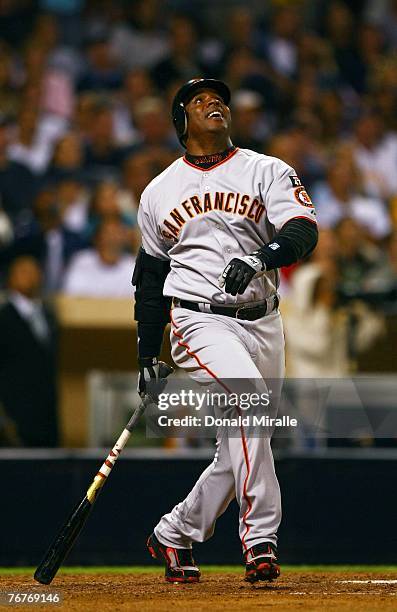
<point>208,161</point>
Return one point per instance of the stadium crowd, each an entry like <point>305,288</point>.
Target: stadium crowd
<point>85,93</point>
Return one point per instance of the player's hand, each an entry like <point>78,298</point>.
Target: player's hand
<point>152,376</point>
<point>239,272</point>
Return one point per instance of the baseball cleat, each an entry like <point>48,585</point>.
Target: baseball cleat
<point>261,563</point>
<point>179,562</point>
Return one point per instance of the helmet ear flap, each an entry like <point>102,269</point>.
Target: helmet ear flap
<point>180,122</point>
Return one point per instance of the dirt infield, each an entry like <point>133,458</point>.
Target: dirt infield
<point>218,591</point>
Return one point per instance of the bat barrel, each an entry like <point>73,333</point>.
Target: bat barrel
<point>61,546</point>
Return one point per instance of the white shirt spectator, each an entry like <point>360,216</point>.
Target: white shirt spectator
<point>87,275</point>
<point>378,167</point>
<point>317,335</point>
<point>36,157</point>
<point>370,213</point>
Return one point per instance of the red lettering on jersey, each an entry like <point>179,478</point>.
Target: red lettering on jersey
<point>196,205</point>
<point>229,197</point>
<point>251,214</point>
<point>259,213</point>
<point>219,197</point>
<point>243,204</point>
<point>207,203</point>
<point>188,209</point>
<point>177,217</point>
<point>174,230</point>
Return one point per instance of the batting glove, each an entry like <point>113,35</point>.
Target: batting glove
<point>152,376</point>
<point>240,271</point>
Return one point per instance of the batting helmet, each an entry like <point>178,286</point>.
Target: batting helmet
<point>186,93</point>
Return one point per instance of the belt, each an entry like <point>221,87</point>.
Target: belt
<point>245,313</point>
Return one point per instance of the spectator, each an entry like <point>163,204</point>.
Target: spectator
<point>383,285</point>
<point>46,239</point>
<point>72,201</point>
<point>153,122</point>
<point>340,30</point>
<point>65,173</point>
<point>102,155</point>
<point>183,60</point>
<point>105,270</point>
<point>298,148</point>
<point>63,59</point>
<point>67,156</point>
<point>251,127</point>
<point>323,338</point>
<point>17,183</point>
<point>138,171</point>
<point>32,147</point>
<point>28,355</point>
<point>243,31</point>
<point>340,197</point>
<point>245,71</point>
<point>102,72</point>
<point>137,86</point>
<point>375,153</point>
<point>84,113</point>
<point>282,43</point>
<point>334,124</point>
<point>139,40</point>
<point>358,260</point>
<point>52,89</point>
<point>108,204</point>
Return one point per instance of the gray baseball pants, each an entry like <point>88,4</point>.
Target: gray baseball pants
<point>208,345</point>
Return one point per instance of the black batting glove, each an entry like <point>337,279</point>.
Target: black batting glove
<point>240,271</point>
<point>152,378</point>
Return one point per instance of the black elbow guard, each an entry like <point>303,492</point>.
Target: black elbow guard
<point>151,306</point>
<point>297,239</point>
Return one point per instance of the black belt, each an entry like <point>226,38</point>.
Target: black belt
<point>246,313</point>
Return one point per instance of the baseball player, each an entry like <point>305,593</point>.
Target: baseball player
<point>216,226</point>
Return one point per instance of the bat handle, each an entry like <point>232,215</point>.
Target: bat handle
<point>138,412</point>
<point>164,371</point>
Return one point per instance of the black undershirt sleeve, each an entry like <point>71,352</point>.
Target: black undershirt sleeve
<point>152,308</point>
<point>296,239</point>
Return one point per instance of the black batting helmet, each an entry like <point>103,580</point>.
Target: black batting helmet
<point>186,93</point>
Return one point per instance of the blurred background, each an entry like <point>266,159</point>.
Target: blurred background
<point>85,94</point>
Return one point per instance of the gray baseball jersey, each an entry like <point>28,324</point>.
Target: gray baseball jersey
<point>200,219</point>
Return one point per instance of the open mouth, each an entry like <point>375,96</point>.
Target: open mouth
<point>215,114</point>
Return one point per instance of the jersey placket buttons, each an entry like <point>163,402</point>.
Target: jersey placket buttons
<point>221,236</point>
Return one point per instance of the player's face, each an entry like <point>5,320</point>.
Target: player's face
<point>207,112</point>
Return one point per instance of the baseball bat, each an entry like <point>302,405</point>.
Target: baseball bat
<point>70,531</point>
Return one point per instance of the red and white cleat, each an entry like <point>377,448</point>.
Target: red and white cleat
<point>179,562</point>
